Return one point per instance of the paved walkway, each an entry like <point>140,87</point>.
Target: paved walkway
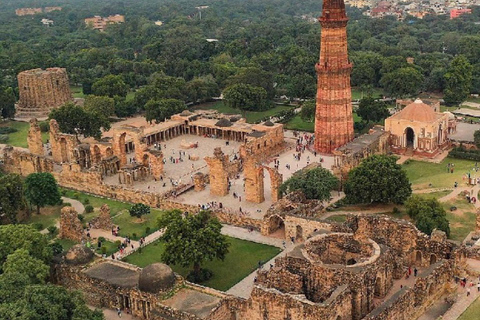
<point>112,314</point>
<point>77,205</point>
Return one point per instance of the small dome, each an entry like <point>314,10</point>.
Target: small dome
<point>450,115</point>
<point>223,123</point>
<point>78,254</point>
<point>268,123</point>
<point>186,113</point>
<point>417,111</point>
<point>156,277</point>
<point>235,118</point>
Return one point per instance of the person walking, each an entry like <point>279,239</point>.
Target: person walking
<point>119,312</point>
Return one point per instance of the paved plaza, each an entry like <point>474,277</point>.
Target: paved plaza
<point>465,131</point>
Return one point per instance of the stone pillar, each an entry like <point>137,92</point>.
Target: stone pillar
<point>198,182</point>
<point>276,180</point>
<point>103,221</point>
<point>218,173</point>
<point>254,188</point>
<point>477,227</point>
<point>118,146</point>
<point>156,163</point>
<point>70,226</point>
<point>333,114</point>
<point>34,139</point>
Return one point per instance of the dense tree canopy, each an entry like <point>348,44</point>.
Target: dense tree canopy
<point>378,179</point>
<point>315,183</point>
<point>245,97</point>
<point>138,210</point>
<point>458,81</point>
<point>428,214</point>
<point>76,120</point>
<point>192,240</point>
<point>372,110</point>
<point>162,109</point>
<point>41,189</point>
<point>11,196</point>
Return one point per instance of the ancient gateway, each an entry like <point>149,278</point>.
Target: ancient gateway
<point>333,115</point>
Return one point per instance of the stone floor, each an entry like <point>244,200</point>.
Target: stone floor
<point>464,131</point>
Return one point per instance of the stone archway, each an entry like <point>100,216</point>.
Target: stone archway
<point>418,257</point>
<point>109,152</point>
<point>146,160</point>
<point>276,227</point>
<point>63,150</point>
<point>97,155</point>
<point>409,138</point>
<point>299,234</point>
<point>378,287</point>
<point>433,259</point>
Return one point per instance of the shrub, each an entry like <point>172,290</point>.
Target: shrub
<point>3,138</point>
<point>199,277</point>
<point>118,243</point>
<point>52,230</point>
<point>89,209</point>
<point>80,217</point>
<point>7,130</point>
<point>86,201</point>
<point>37,225</point>
<point>63,192</point>
<point>104,250</point>
<point>147,230</point>
<point>76,195</point>
<point>462,153</point>
<point>101,239</point>
<point>56,248</point>
<point>44,126</point>
<point>134,235</point>
<point>66,204</point>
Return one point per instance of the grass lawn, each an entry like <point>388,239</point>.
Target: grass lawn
<point>78,93</point>
<point>111,247</point>
<point>462,220</point>
<point>46,218</point>
<point>421,174</point>
<point>66,243</point>
<point>130,225</point>
<point>298,124</point>
<point>97,202</point>
<point>19,138</point>
<point>251,116</point>
<point>472,312</point>
<point>242,260</point>
<point>437,195</point>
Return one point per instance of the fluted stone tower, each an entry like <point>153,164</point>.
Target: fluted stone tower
<point>333,115</point>
<point>41,91</point>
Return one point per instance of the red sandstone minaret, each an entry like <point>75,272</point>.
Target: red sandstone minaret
<point>333,115</point>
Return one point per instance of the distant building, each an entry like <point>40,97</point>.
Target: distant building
<point>28,11</point>
<point>100,23</point>
<point>455,13</point>
<point>32,11</point>
<point>47,22</point>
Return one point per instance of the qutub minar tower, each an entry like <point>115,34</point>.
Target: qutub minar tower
<point>333,114</point>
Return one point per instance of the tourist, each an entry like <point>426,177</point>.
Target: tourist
<point>468,292</point>
<point>119,312</point>
<point>415,271</point>
<point>478,287</point>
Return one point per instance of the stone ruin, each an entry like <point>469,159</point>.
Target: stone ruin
<point>104,220</point>
<point>34,138</point>
<point>218,173</point>
<point>70,226</point>
<point>41,91</point>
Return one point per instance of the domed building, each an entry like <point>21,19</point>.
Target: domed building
<point>418,129</point>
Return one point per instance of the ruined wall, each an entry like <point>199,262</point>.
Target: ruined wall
<point>25,163</point>
<point>62,144</point>
<point>271,304</point>
<point>270,142</point>
<point>42,90</point>
<point>34,138</point>
<point>307,226</point>
<point>103,221</point>
<point>218,174</point>
<point>70,226</point>
<point>254,187</point>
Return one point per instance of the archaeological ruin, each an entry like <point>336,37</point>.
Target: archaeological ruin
<point>41,91</point>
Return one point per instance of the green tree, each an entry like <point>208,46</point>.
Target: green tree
<point>138,210</point>
<point>315,183</point>
<point>41,189</point>
<point>159,110</point>
<point>402,82</point>
<point>101,105</point>
<point>22,262</point>
<point>11,196</point>
<point>201,89</point>
<point>428,214</point>
<point>458,81</point>
<point>110,86</point>
<point>308,111</point>
<point>301,86</point>
<point>76,120</point>
<point>377,179</point>
<point>254,77</point>
<point>245,97</point>
<point>7,103</point>
<point>372,110</point>
<point>476,138</point>
<point>192,240</point>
